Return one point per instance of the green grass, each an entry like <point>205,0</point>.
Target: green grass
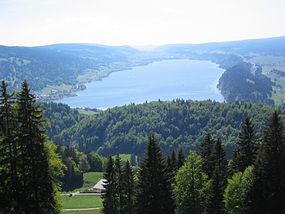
<point>86,111</point>
<point>61,88</point>
<point>84,212</point>
<point>89,180</point>
<point>81,201</point>
<point>124,157</point>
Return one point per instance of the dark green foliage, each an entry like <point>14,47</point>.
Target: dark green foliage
<point>128,190</point>
<point>133,160</point>
<point>119,188</point>
<point>246,146</point>
<point>61,117</point>
<point>239,83</point>
<point>37,186</point>
<point>73,175</point>
<point>8,153</point>
<point>268,192</point>
<point>119,185</point>
<point>206,152</point>
<point>96,162</point>
<point>179,124</point>
<point>152,196</point>
<point>219,177</point>
<point>109,197</point>
<point>181,158</point>
<point>27,182</point>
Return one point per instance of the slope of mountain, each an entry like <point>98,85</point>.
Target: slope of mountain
<point>58,64</point>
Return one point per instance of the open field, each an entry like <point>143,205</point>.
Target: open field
<point>124,157</point>
<point>90,179</point>
<point>81,201</point>
<point>84,212</point>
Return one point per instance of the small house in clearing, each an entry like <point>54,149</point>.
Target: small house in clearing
<point>98,188</point>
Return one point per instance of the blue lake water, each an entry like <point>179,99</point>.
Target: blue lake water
<point>164,80</point>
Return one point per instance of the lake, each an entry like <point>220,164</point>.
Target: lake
<point>164,80</point>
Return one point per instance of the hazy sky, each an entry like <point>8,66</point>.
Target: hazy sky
<point>138,22</point>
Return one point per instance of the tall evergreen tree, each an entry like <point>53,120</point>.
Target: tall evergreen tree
<point>109,198</point>
<point>8,153</point>
<point>219,177</point>
<point>245,151</point>
<point>174,160</point>
<point>181,158</point>
<point>37,185</point>
<point>268,192</point>
<point>206,152</point>
<point>152,196</point>
<point>128,189</point>
<point>119,197</point>
<point>28,181</point>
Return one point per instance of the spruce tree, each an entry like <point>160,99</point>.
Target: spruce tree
<point>219,177</point>
<point>8,153</point>
<point>128,189</point>
<point>152,195</point>
<point>37,189</point>
<point>181,158</point>
<point>206,152</point>
<point>118,181</point>
<point>109,198</point>
<point>268,192</point>
<point>174,162</point>
<point>245,151</point>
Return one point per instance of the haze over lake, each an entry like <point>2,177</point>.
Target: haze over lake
<point>164,80</point>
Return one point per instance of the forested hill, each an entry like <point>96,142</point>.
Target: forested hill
<point>177,123</point>
<point>59,64</point>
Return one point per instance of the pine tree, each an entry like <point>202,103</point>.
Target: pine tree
<point>119,197</point>
<point>109,198</point>
<point>37,189</point>
<point>174,162</point>
<point>152,196</point>
<point>268,192</point>
<point>219,177</point>
<point>245,150</point>
<point>181,158</point>
<point>128,189</point>
<point>206,151</point>
<point>8,153</point>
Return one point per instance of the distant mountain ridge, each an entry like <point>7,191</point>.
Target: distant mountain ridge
<point>58,70</point>
<point>269,46</point>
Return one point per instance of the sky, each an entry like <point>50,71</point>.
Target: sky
<point>138,22</point>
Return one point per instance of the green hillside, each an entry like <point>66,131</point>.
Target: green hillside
<point>59,70</point>
<point>177,124</point>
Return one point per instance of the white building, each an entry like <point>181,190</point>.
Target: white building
<point>99,188</point>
